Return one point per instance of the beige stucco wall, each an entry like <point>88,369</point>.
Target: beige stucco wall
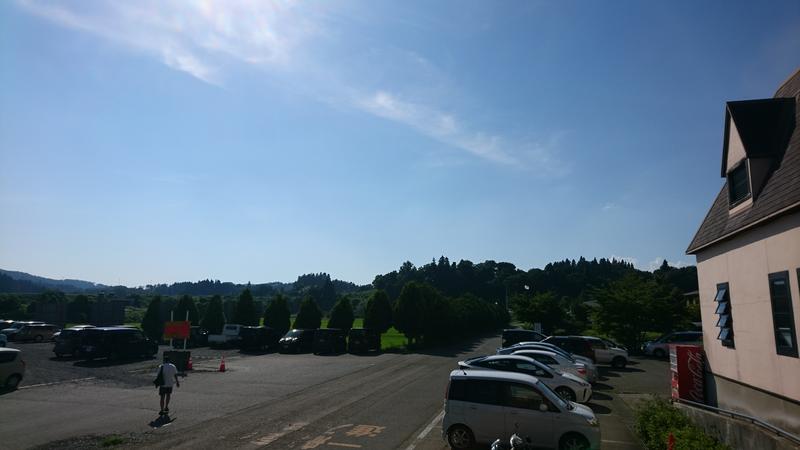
<point>745,262</point>
<point>735,147</point>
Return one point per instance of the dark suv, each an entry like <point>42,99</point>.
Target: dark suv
<point>329,340</point>
<point>68,342</point>
<point>517,335</point>
<point>257,338</point>
<point>297,341</point>
<point>115,343</point>
<point>363,340</point>
<point>576,345</point>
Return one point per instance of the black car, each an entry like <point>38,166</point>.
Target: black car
<point>198,337</point>
<point>363,340</point>
<point>577,345</point>
<point>68,341</point>
<point>329,340</point>
<point>297,341</point>
<point>517,335</point>
<point>115,343</point>
<point>257,338</point>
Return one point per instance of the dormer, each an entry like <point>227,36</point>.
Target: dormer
<point>756,137</point>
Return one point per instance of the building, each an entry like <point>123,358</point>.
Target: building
<point>748,263</point>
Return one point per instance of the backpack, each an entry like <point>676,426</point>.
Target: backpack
<point>159,381</point>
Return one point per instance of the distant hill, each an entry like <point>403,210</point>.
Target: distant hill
<point>32,283</point>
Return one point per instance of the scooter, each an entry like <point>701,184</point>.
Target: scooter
<point>515,443</point>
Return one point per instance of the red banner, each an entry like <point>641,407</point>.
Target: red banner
<point>177,330</point>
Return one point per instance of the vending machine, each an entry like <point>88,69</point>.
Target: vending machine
<point>686,370</point>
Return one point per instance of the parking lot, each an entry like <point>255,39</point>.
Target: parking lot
<point>276,401</point>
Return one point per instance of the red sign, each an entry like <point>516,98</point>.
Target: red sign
<point>177,330</point>
<point>686,367</point>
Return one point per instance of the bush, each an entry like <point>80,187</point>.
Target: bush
<point>309,316</point>
<point>656,418</point>
<point>342,315</point>
<point>277,315</point>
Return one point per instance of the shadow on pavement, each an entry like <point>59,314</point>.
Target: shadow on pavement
<point>161,421</point>
<point>599,409</point>
<point>601,387</point>
<point>108,362</point>
<point>451,350</point>
<point>600,396</point>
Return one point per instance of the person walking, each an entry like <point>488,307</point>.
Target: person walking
<point>166,377</point>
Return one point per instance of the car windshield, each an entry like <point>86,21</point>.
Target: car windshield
<point>552,396</point>
<point>294,333</point>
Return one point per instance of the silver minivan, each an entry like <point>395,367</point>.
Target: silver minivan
<point>481,406</point>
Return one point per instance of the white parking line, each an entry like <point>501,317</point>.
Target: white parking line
<point>56,382</point>
<point>427,430</point>
<point>272,437</point>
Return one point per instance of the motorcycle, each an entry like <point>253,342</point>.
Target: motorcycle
<point>515,443</point>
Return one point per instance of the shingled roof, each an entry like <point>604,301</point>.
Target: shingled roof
<point>761,129</point>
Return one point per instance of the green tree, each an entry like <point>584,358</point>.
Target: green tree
<point>309,315</point>
<point>186,303</point>
<point>378,312</point>
<point>277,315</point>
<point>152,322</point>
<point>245,313</point>
<point>543,308</point>
<point>409,310</point>
<point>214,318</point>
<point>78,309</point>
<point>342,314</point>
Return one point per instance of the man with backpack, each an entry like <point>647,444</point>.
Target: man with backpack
<point>166,377</point>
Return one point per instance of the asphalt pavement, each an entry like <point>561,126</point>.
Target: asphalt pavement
<point>387,401</point>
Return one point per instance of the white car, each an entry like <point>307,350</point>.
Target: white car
<point>606,354</point>
<point>12,368</point>
<point>483,405</point>
<point>556,361</point>
<point>592,374</point>
<point>568,386</point>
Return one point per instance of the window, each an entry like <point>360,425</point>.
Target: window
<point>725,320</point>
<point>530,369</point>
<point>476,391</point>
<point>521,396</point>
<point>544,359</point>
<point>738,184</point>
<point>782,314</point>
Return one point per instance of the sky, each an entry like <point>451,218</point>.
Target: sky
<point>169,140</point>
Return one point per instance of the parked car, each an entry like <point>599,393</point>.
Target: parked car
<point>198,337</point>
<point>611,343</point>
<point>297,341</point>
<point>257,338</point>
<point>3,340</point>
<point>329,340</point>
<point>37,332</point>
<point>556,361</point>
<point>516,335</point>
<point>576,345</point>
<point>604,354</point>
<point>363,340</point>
<point>12,368</point>
<point>68,341</point>
<point>115,343</point>
<point>74,327</point>
<point>483,405</point>
<point>568,386</point>
<point>592,374</point>
<point>660,347</point>
<point>5,324</point>
<point>228,337</point>
<point>14,328</point>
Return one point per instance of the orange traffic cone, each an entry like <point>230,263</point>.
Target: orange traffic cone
<point>189,364</point>
<point>222,365</point>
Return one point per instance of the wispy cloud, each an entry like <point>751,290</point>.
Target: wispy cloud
<point>205,39</point>
<point>628,259</point>
<point>609,206</point>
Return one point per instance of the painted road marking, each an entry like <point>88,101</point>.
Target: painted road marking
<point>340,444</point>
<point>75,380</point>
<point>356,431</point>
<point>272,437</point>
<point>427,430</point>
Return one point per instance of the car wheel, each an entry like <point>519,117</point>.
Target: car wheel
<point>12,382</point>
<point>573,441</point>
<point>566,393</point>
<point>460,437</point>
<point>619,362</point>
<point>38,338</point>
<point>659,353</point>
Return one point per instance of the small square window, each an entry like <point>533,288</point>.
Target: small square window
<point>724,320</point>
<point>723,308</point>
<point>722,294</point>
<point>725,334</point>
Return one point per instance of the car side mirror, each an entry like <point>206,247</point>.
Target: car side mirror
<point>542,407</point>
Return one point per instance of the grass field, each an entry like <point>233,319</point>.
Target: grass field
<point>392,339</point>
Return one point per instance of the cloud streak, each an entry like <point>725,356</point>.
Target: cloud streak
<point>205,39</point>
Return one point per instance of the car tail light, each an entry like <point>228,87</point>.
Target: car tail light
<point>582,370</point>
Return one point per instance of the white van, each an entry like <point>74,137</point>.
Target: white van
<point>481,406</point>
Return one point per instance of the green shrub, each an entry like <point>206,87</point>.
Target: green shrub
<point>112,441</point>
<point>656,418</point>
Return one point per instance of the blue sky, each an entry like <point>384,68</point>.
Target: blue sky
<point>160,141</point>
